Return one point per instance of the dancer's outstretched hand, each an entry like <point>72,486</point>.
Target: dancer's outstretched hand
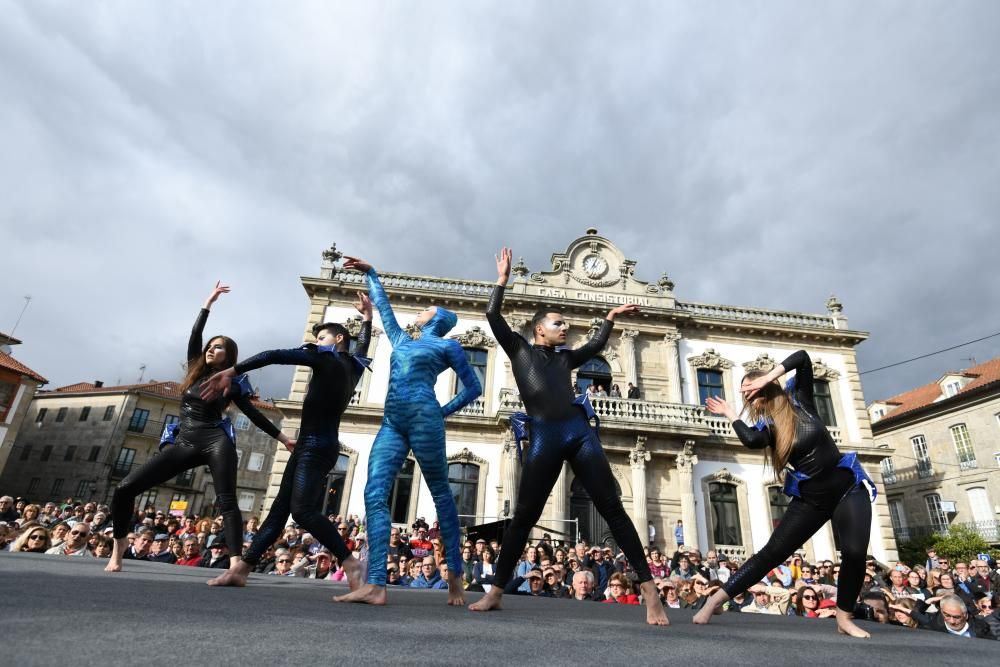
<point>217,384</point>
<point>750,388</point>
<point>364,306</point>
<point>718,406</point>
<point>356,264</point>
<point>218,290</point>
<point>621,310</point>
<point>286,441</point>
<point>503,265</point>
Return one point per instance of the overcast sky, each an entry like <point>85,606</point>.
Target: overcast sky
<point>762,153</point>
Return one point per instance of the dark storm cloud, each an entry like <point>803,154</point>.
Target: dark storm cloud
<point>762,154</point>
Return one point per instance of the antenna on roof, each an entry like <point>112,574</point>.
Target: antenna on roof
<point>971,360</point>
<point>27,302</point>
<point>142,371</point>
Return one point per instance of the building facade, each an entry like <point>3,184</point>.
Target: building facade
<point>671,459</point>
<point>18,384</point>
<point>945,444</point>
<point>79,441</point>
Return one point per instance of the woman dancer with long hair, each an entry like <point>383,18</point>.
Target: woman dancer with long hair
<point>204,436</point>
<point>824,484</point>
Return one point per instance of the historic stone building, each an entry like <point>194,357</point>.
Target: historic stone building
<point>670,458</point>
<point>18,384</point>
<point>79,441</point>
<point>945,444</point>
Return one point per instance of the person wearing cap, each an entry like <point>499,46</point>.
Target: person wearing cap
<point>535,581</point>
<point>218,555</point>
<point>158,551</point>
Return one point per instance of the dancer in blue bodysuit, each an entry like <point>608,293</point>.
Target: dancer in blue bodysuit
<point>413,419</point>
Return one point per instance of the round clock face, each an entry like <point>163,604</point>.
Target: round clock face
<point>594,266</point>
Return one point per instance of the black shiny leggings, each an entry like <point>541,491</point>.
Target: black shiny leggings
<point>194,447</point>
<point>303,486</point>
<point>552,443</point>
<point>852,519</point>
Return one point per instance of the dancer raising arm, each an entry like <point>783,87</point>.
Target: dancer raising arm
<point>413,419</point>
<point>824,484</point>
<point>335,374</point>
<point>204,436</point>
<point>559,431</point>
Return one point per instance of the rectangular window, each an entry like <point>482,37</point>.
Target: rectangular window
<point>186,478</point>
<point>888,471</point>
<point>478,360</point>
<point>824,402</point>
<point>239,457</point>
<point>939,520</point>
<point>109,413</point>
<point>8,391</point>
<point>256,461</point>
<point>898,518</point>
<point>83,489</point>
<point>137,423</point>
<point>924,467</point>
<point>70,453</point>
<point>95,452</point>
<point>123,464</point>
<point>40,417</point>
<point>170,420</point>
<point>952,388</point>
<point>147,499</point>
<point>57,487</point>
<point>46,452</point>
<point>963,447</point>
<point>61,415</point>
<point>725,514</point>
<point>710,384</point>
<point>85,413</point>
<point>242,423</point>
<point>246,501</point>
<point>33,485</point>
<point>25,452</point>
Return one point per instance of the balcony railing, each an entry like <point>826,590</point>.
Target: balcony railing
<point>355,398</point>
<point>988,530</point>
<point>476,408</point>
<point>969,464</point>
<point>733,552</point>
<point>924,469</point>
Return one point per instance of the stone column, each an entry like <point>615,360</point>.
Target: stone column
<point>560,499</point>
<point>686,460</point>
<point>674,394</point>
<point>630,360</point>
<point>510,479</point>
<point>637,460</point>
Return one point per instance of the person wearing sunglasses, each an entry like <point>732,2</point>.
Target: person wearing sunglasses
<point>76,542</point>
<point>33,540</point>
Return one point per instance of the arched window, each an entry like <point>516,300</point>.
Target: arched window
<point>779,503</point>
<point>478,360</point>
<point>463,478</point>
<point>725,514</point>
<point>334,502</point>
<point>824,402</point>
<point>399,500</point>
<point>594,371</point>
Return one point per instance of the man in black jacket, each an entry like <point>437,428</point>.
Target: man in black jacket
<point>952,617</point>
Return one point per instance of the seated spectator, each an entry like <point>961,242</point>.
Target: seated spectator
<point>392,577</point>
<point>158,550</point>
<point>253,525</point>
<point>917,585</point>
<point>140,546</point>
<point>584,586</point>
<point>429,576</point>
<point>535,581</point>
<point>58,533</point>
<point>620,590</point>
<point>75,544</point>
<point>668,594</point>
<point>901,612</point>
<point>34,539</point>
<point>29,515</point>
<point>702,588</point>
<point>283,565</point>
<point>103,546</point>
<point>468,566</point>
<point>218,555</point>
<point>767,600</point>
<point>7,511</point>
<point>952,618</point>
<point>554,582</point>
<point>412,572</point>
<point>191,553</point>
<point>877,607</point>
<point>807,602</point>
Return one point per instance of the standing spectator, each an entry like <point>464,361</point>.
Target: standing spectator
<point>192,554</point>
<point>75,544</point>
<point>482,572</point>
<point>7,511</point>
<point>651,532</point>
<point>35,539</point>
<point>398,548</point>
<point>932,559</point>
<point>657,566</point>
<point>679,534</point>
<point>420,546</point>
<point>633,392</point>
<point>615,392</point>
<point>529,560</point>
<point>251,529</point>
<point>435,531</point>
<point>468,566</point>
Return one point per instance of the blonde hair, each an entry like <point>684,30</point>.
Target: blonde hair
<point>777,410</point>
<point>21,544</point>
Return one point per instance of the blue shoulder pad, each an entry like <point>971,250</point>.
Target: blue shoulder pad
<point>227,425</point>
<point>169,435</point>
<point>761,424</point>
<point>331,349</point>
<point>242,385</point>
<point>361,364</point>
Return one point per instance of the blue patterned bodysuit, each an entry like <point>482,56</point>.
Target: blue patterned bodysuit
<point>413,419</point>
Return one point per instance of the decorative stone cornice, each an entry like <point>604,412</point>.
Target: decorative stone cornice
<point>630,334</point>
<point>723,475</point>
<point>465,456</point>
<point>710,359</point>
<point>823,372</point>
<point>763,363</point>
<point>686,458</point>
<point>638,456</point>
<point>595,326</point>
<point>671,337</point>
<point>475,337</point>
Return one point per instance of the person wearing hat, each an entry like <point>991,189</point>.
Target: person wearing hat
<point>559,431</point>
<point>218,555</point>
<point>536,584</point>
<point>158,551</point>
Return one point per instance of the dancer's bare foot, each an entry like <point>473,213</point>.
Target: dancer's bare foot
<point>367,594</point>
<point>355,573</point>
<point>113,566</point>
<point>456,591</point>
<point>712,606</point>
<point>846,626</point>
<point>117,554</point>
<point>492,600</point>
<point>655,613</point>
<point>236,575</point>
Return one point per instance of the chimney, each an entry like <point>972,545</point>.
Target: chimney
<point>98,384</point>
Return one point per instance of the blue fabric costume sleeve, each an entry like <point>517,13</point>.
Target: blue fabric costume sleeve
<point>589,349</point>
<point>296,357</point>
<point>380,300</point>
<point>471,388</point>
<point>194,342</point>
<point>801,386</point>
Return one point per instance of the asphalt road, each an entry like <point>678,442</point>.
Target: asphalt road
<point>59,611</point>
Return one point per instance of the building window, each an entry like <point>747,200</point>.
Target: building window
<point>463,478</point>
<point>40,417</point>
<point>779,503</point>
<point>710,384</point>
<point>824,402</point>
<point>898,518</point>
<point>46,452</point>
<point>594,371</point>
<point>939,520</point>
<point>952,388</point>
<point>725,514</point>
<point>246,501</point>
<point>256,462</point>
<point>963,447</point>
<point>83,489</point>
<point>924,467</point>
<point>57,486</point>
<point>85,413</point>
<point>334,501</point>
<point>137,424</point>
<point>170,420</point>
<point>123,464</point>
<point>33,485</point>
<point>401,490</point>
<point>147,499</point>
<point>8,391</point>
<point>878,413</point>
<point>186,478</point>
<point>61,415</point>
<point>478,361</point>
<point>26,452</point>
<point>982,513</point>
<point>888,471</point>
<point>239,457</point>
<point>109,413</point>
<point>242,423</point>
<point>70,453</point>
<point>95,452</point>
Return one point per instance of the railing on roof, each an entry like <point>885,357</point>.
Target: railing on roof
<point>756,315</point>
<point>435,285</point>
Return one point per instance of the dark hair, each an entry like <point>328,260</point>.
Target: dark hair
<point>332,327</point>
<point>540,315</point>
<point>196,367</point>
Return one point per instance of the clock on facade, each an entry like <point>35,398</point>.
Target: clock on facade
<point>594,266</point>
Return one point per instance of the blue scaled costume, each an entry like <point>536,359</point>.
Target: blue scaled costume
<point>413,419</point>
<point>824,485</point>
<point>203,436</point>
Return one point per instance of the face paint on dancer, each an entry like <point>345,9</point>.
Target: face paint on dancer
<point>552,331</point>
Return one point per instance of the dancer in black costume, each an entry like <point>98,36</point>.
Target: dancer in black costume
<point>204,436</point>
<point>335,374</point>
<point>559,431</point>
<point>824,484</point>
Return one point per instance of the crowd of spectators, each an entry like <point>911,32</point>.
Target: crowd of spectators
<point>959,598</point>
